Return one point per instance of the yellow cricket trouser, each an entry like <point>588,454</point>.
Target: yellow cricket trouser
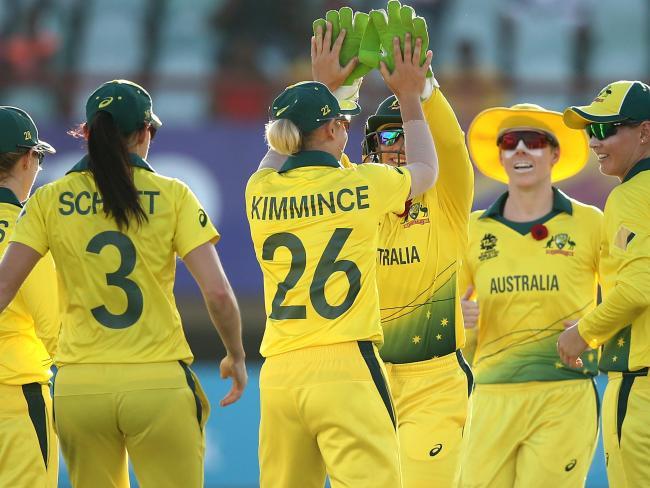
<point>626,429</point>
<point>432,403</point>
<point>154,411</point>
<point>327,410</point>
<point>29,455</point>
<point>538,434</point>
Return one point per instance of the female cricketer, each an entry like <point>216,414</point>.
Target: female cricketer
<point>114,228</point>
<point>418,256</point>
<point>618,125</point>
<point>325,406</point>
<point>29,326</point>
<point>532,261</point>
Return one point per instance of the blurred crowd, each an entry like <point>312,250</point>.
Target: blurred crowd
<point>236,53</point>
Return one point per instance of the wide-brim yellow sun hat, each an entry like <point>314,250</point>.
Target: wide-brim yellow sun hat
<point>487,125</point>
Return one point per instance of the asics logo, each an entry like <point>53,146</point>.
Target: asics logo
<point>571,465</point>
<point>279,112</point>
<point>436,450</point>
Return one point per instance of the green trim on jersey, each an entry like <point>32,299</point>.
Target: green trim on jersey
<point>643,165</point>
<point>136,161</point>
<point>616,352</point>
<point>8,196</point>
<point>304,159</point>
<point>495,211</point>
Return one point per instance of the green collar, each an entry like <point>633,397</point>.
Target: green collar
<point>136,161</point>
<point>304,159</point>
<point>643,165</point>
<point>8,196</point>
<point>561,203</point>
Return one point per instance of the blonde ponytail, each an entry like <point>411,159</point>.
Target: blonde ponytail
<point>283,136</point>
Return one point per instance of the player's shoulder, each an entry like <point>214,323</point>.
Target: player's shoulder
<point>475,216</point>
<point>259,177</point>
<point>583,211</point>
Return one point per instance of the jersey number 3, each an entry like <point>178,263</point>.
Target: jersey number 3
<point>119,278</point>
<point>326,267</point>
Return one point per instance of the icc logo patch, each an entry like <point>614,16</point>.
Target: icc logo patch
<point>488,247</point>
<point>560,244</point>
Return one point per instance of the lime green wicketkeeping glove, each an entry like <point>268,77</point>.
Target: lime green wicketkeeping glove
<point>377,43</point>
<point>354,24</point>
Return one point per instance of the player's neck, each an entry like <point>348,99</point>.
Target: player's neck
<point>15,186</point>
<point>528,204</point>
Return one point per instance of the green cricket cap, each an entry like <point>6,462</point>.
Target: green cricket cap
<point>618,101</point>
<point>128,103</point>
<point>18,131</point>
<point>309,104</point>
<point>388,112</point>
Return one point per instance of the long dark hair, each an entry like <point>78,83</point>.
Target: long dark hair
<point>110,165</point>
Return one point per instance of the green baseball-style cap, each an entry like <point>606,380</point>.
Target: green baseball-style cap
<point>18,131</point>
<point>618,101</point>
<point>388,112</point>
<point>309,104</point>
<point>128,103</point>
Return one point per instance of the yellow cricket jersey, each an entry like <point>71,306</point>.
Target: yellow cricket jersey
<point>116,286</point>
<point>528,288</point>
<point>622,321</point>
<point>420,251</point>
<point>314,226</point>
<point>29,326</point>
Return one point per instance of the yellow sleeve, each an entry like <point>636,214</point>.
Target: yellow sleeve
<point>40,294</point>
<point>455,183</point>
<point>629,297</point>
<point>390,186</point>
<point>193,226</point>
<point>30,227</point>
<point>345,161</point>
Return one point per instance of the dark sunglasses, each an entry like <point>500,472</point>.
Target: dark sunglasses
<point>39,154</point>
<point>532,140</point>
<point>152,131</point>
<point>389,137</point>
<point>602,131</point>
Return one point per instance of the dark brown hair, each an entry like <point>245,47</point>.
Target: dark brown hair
<point>7,162</point>
<point>111,168</point>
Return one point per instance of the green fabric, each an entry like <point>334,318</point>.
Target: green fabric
<point>135,160</point>
<point>561,203</point>
<point>304,159</point>
<point>643,165</point>
<point>308,104</point>
<point>128,103</point>
<point>8,196</point>
<point>397,22</point>
<point>636,104</point>
<point>18,131</point>
<point>355,24</point>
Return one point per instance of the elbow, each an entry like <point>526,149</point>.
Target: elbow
<point>219,298</point>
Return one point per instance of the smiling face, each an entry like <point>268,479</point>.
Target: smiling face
<point>622,150</point>
<point>530,162</point>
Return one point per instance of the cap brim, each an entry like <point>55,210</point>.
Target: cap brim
<point>155,121</point>
<point>348,107</point>
<point>483,132</point>
<point>579,117</point>
<point>43,146</point>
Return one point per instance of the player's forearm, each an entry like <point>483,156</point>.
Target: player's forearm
<point>272,160</point>
<point>618,310</point>
<point>224,313</point>
<point>421,156</point>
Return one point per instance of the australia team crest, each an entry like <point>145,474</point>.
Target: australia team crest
<point>560,244</point>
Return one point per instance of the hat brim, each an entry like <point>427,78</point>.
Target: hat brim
<point>349,107</point>
<point>376,121</point>
<point>155,121</point>
<point>579,117</point>
<point>43,146</point>
<point>484,130</point>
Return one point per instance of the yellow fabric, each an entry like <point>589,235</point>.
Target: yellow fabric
<point>526,289</point>
<point>321,412</point>
<point>116,286</point>
<point>627,459</point>
<point>158,425</point>
<point>485,128</point>
<point>29,326</point>
<point>622,320</point>
<point>531,435</point>
<point>431,431</point>
<point>22,463</point>
<point>419,253</point>
<point>319,304</point>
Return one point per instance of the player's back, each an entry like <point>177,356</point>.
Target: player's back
<point>117,284</point>
<point>315,230</point>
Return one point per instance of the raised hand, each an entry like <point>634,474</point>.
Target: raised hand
<point>407,76</point>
